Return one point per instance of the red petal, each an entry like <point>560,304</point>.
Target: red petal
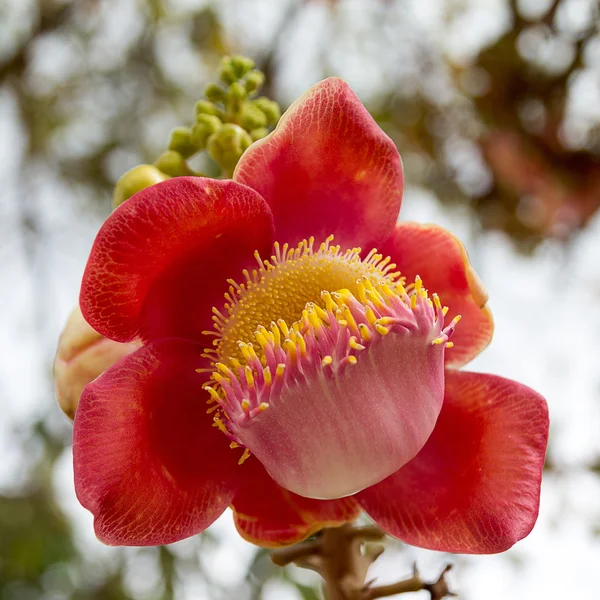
<point>270,516</point>
<point>442,262</point>
<point>475,486</point>
<point>161,260</point>
<point>148,463</point>
<point>327,169</point>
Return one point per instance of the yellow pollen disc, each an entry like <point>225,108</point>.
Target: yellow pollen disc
<point>280,288</point>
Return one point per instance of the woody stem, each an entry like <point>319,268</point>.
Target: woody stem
<point>343,555</point>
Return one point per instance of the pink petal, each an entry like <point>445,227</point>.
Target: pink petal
<point>161,260</point>
<point>270,516</point>
<point>442,262</point>
<point>148,463</point>
<point>327,169</point>
<point>475,486</point>
<point>82,355</point>
<point>330,430</point>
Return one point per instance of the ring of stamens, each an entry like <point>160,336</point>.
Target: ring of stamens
<point>281,287</point>
<point>252,364</point>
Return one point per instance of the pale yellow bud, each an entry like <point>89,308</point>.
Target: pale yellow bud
<point>135,180</point>
<point>82,355</point>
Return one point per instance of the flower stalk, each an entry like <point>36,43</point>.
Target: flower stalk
<point>343,555</point>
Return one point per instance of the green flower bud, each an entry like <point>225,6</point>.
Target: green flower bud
<point>241,65</point>
<point>226,71</point>
<point>173,164</point>
<point>257,134</point>
<point>270,108</point>
<point>252,117</point>
<point>204,128</point>
<point>134,180</point>
<point>214,92</point>
<point>227,146</point>
<point>181,141</point>
<point>237,91</point>
<point>254,81</point>
<point>207,108</point>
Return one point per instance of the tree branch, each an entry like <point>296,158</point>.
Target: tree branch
<point>437,590</point>
<point>343,555</point>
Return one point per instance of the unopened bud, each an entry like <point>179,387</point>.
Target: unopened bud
<point>214,92</point>
<point>204,128</point>
<point>252,117</point>
<point>227,73</point>
<point>134,180</point>
<point>254,81</point>
<point>181,141</point>
<point>207,108</point>
<point>241,65</point>
<point>257,134</point>
<point>173,164</point>
<point>237,91</point>
<point>270,108</point>
<point>83,354</point>
<point>227,146</point>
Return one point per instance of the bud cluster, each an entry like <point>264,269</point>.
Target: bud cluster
<point>230,118</point>
<point>227,121</point>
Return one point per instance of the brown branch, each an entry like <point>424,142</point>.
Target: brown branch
<point>285,556</point>
<point>369,533</point>
<point>343,555</point>
<point>437,590</point>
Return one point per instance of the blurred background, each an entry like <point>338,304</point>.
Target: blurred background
<point>495,107</point>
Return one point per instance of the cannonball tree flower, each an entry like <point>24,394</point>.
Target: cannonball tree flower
<point>297,377</point>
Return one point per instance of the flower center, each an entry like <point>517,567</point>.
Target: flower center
<point>281,287</point>
<point>328,368</point>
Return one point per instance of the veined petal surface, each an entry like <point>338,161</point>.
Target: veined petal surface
<point>162,259</point>
<point>148,463</point>
<point>442,261</point>
<point>475,486</point>
<point>328,168</point>
<point>270,516</point>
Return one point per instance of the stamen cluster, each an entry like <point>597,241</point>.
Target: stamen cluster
<point>321,346</point>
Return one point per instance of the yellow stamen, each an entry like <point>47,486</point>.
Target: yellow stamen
<point>267,376</point>
<point>371,318</point>
<point>249,377</point>
<point>245,456</point>
<point>365,334</point>
<point>353,343</point>
<point>381,330</point>
<point>279,289</point>
<point>218,423</point>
